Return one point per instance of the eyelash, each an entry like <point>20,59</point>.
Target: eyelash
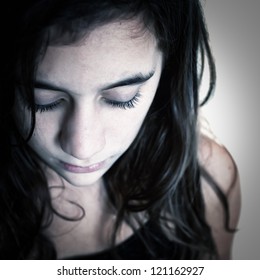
<point>123,105</point>
<point>45,108</point>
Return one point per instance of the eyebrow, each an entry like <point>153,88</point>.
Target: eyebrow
<point>136,79</point>
<point>40,84</point>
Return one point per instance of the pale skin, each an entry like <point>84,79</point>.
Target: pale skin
<point>82,129</point>
<point>220,165</point>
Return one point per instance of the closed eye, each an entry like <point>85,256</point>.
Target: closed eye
<point>124,104</point>
<point>47,107</point>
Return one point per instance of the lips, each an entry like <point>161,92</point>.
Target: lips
<point>83,169</point>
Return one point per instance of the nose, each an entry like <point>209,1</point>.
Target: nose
<point>82,134</point>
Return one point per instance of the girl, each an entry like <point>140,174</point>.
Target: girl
<point>102,152</point>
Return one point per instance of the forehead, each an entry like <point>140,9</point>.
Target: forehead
<point>114,49</point>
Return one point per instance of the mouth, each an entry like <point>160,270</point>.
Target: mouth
<point>83,169</point>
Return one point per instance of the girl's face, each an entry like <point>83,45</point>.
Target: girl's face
<point>92,98</point>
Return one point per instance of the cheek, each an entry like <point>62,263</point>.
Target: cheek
<point>127,129</point>
<point>126,126</point>
<point>38,143</point>
<point>44,133</point>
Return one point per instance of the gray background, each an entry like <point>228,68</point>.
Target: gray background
<point>234,112</point>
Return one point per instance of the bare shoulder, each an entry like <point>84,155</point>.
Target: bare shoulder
<point>221,171</point>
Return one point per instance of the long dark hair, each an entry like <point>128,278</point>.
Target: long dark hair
<point>169,191</point>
